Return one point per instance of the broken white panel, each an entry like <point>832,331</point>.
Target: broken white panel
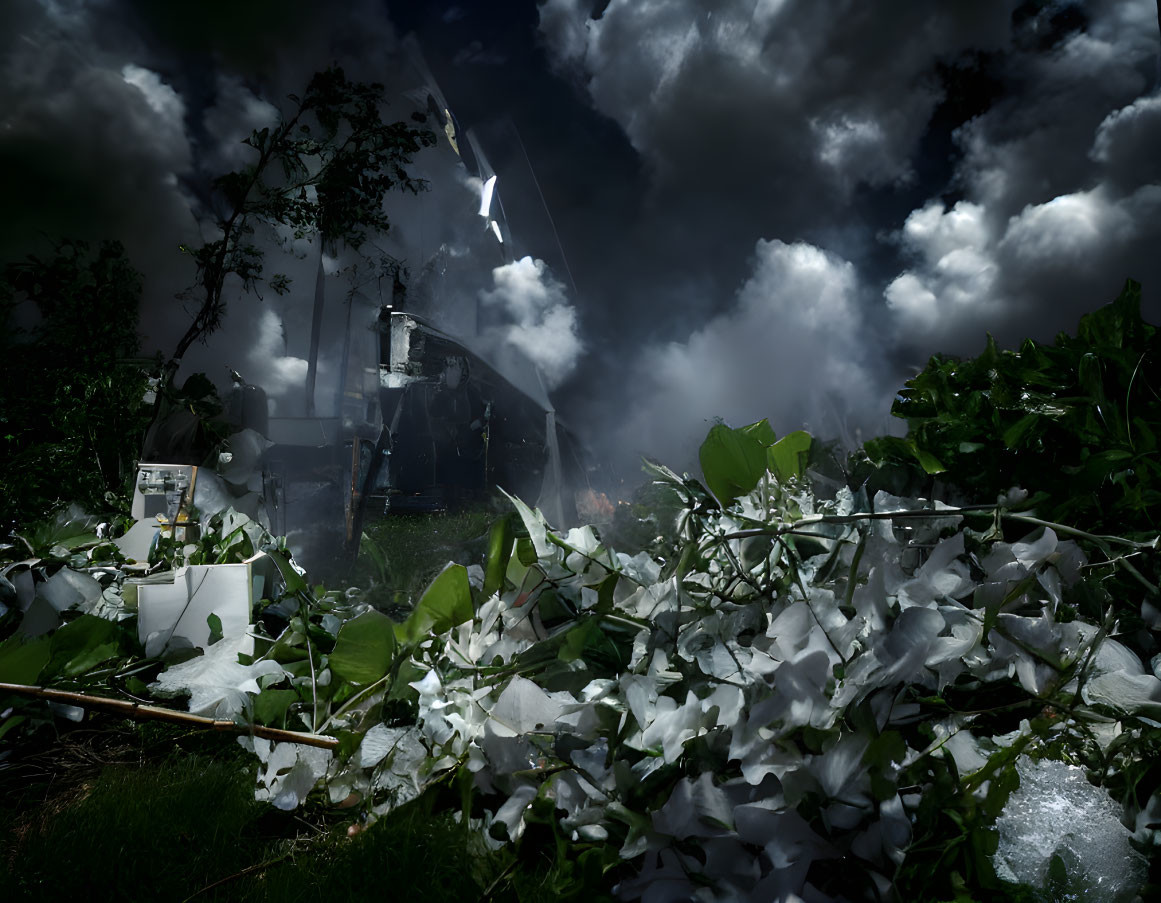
<point>136,542</point>
<point>486,197</point>
<point>68,589</point>
<point>175,615</point>
<point>496,231</point>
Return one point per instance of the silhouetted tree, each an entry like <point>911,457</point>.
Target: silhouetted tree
<point>71,413</point>
<point>324,170</point>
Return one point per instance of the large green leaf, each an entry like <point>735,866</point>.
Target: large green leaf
<point>292,578</point>
<point>787,457</point>
<point>499,551</point>
<point>1015,435</point>
<point>81,645</point>
<point>364,649</point>
<point>732,461</point>
<point>927,461</point>
<point>22,661</point>
<point>446,603</point>
<point>270,705</point>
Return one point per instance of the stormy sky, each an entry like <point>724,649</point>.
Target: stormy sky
<point>736,209</point>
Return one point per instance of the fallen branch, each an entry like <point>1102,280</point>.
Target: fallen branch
<point>141,712</point>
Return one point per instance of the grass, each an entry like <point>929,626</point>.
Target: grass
<point>113,810</point>
<point>148,812</point>
<point>402,553</point>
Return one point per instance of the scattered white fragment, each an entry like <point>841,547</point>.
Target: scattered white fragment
<point>292,770</point>
<point>217,684</point>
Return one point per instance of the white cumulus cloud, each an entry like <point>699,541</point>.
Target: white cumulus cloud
<point>535,316</point>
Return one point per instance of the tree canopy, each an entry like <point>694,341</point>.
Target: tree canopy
<point>323,170</point>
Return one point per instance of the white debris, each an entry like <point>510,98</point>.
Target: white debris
<point>176,614</point>
<point>69,589</point>
<point>1057,814</point>
<point>218,685</point>
<point>292,770</point>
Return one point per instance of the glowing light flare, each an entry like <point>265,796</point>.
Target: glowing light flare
<point>486,197</point>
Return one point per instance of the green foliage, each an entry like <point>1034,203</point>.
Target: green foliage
<point>364,648</point>
<point>71,417</point>
<point>22,660</point>
<point>1074,424</point>
<point>733,461</point>
<point>787,457</point>
<point>446,603</point>
<point>1075,420</point>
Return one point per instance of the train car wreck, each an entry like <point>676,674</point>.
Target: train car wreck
<point>451,427</point>
<point>396,414</point>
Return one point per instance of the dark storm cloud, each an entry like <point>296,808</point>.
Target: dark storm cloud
<point>117,114</point>
<point>758,123</point>
<point>756,210</point>
<point>766,116</point>
<point>778,135</point>
<point>114,116</point>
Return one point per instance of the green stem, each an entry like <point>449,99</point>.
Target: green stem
<point>852,580</point>
<point>1072,531</point>
<point>305,615</point>
<point>809,607</point>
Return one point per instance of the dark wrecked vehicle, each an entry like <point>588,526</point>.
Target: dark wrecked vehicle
<point>432,427</point>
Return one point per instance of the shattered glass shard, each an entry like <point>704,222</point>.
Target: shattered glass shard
<point>1060,833</point>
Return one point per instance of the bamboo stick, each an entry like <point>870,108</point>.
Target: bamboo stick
<point>143,712</point>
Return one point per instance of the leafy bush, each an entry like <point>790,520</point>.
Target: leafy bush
<point>1073,423</point>
<point>70,422</point>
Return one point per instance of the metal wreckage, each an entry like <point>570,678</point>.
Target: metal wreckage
<point>421,422</point>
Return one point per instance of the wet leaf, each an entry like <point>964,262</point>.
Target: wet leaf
<point>732,461</point>
<point>788,456</point>
<point>21,661</point>
<point>446,603</point>
<point>364,649</point>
